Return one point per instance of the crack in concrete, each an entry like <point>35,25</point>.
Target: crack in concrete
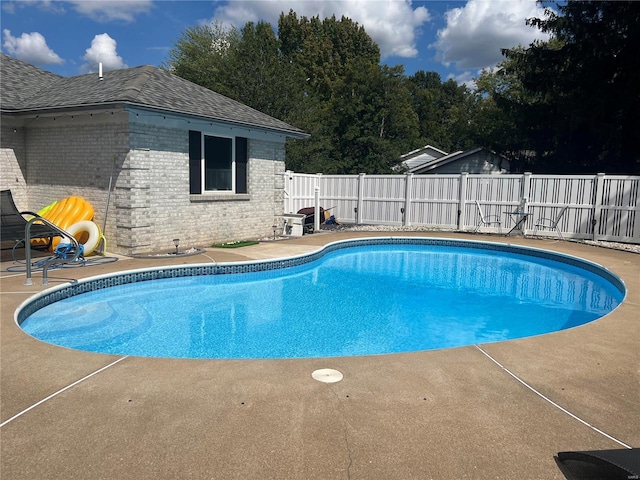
<point>346,435</point>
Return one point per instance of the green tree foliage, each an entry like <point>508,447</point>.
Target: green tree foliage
<point>258,77</point>
<point>500,117</point>
<point>567,105</point>
<point>325,77</point>
<point>340,64</point>
<point>358,113</point>
<point>574,100</point>
<point>425,90</point>
<point>201,54</point>
<point>324,49</point>
<point>443,110</point>
<point>371,118</point>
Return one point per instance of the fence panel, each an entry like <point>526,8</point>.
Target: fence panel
<point>619,206</point>
<point>299,191</point>
<point>600,207</point>
<point>498,190</point>
<point>497,194</point>
<point>382,199</point>
<point>434,200</point>
<point>549,193</point>
<point>339,194</point>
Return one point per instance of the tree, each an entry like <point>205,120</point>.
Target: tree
<point>325,77</point>
<point>324,49</point>
<point>371,118</point>
<point>443,110</point>
<point>500,117</point>
<point>456,104</point>
<point>425,90</point>
<point>200,55</point>
<point>257,75</point>
<point>580,90</point>
<point>345,104</point>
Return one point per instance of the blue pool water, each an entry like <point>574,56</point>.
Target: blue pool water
<point>360,300</point>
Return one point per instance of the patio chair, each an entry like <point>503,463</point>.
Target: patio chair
<point>487,220</point>
<point>550,223</point>
<point>13,223</point>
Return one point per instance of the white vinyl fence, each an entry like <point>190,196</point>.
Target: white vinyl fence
<point>600,207</point>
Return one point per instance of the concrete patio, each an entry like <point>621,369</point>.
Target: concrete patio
<point>443,414</point>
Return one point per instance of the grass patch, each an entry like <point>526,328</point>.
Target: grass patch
<point>238,244</point>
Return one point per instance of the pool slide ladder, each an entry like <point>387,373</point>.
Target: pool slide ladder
<point>53,260</point>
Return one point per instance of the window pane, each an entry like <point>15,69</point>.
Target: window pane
<point>217,163</point>
<point>241,165</point>
<point>195,160</point>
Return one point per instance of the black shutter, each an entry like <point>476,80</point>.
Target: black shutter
<point>242,156</point>
<point>195,157</point>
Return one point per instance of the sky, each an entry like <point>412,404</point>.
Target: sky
<point>454,38</point>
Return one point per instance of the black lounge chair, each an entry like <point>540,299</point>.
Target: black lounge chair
<point>13,223</point>
<point>601,464</point>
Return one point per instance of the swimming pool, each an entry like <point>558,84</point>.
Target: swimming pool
<point>357,297</point>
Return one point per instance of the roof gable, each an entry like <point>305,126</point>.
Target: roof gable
<point>141,86</point>
<point>419,157</point>
<point>426,150</point>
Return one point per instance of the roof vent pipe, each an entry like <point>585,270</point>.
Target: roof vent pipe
<point>100,71</point>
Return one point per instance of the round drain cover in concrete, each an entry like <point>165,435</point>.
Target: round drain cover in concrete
<point>327,375</point>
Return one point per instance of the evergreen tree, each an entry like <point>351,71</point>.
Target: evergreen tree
<point>579,97</point>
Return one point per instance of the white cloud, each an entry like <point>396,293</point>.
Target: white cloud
<point>98,10</point>
<point>9,7</point>
<point>31,48</point>
<point>475,34</point>
<point>393,24</point>
<point>12,7</point>
<point>102,50</point>
<point>465,78</point>
<point>109,10</point>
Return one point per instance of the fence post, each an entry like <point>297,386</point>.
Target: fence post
<point>597,204</point>
<point>316,208</point>
<point>526,187</point>
<point>360,198</point>
<point>462,199</point>
<point>406,211</point>
<point>288,185</point>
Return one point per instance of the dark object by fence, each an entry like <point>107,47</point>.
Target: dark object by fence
<point>309,218</point>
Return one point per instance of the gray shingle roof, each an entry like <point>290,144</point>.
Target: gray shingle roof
<point>25,88</point>
<point>20,81</point>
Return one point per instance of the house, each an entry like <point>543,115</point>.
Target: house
<point>183,162</point>
<point>419,157</point>
<point>429,160</point>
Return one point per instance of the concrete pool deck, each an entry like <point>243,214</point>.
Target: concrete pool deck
<point>442,414</point>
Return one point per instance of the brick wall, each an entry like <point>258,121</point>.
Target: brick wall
<point>155,188</point>
<point>13,164</point>
<point>77,156</point>
<point>150,203</point>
